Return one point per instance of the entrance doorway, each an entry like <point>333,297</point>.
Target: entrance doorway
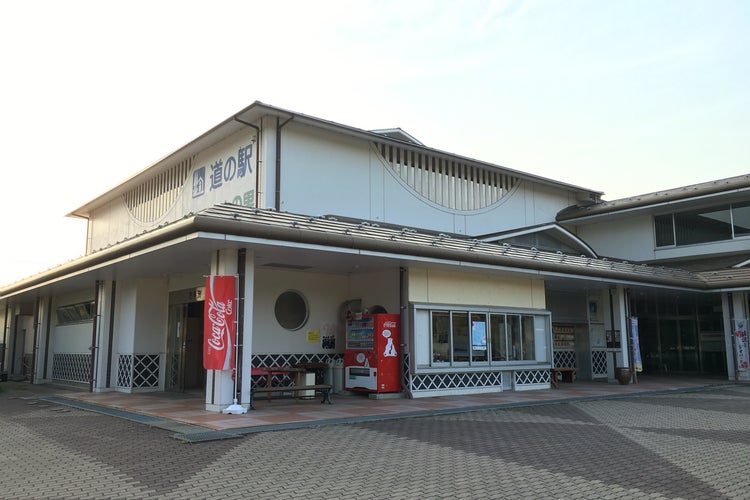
<point>681,334</point>
<point>185,347</point>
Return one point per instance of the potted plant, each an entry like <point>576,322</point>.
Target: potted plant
<point>623,375</point>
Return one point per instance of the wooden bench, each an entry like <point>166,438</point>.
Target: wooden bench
<point>566,375</point>
<point>323,389</point>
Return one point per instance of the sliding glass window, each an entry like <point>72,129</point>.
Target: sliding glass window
<point>469,338</point>
<point>721,223</point>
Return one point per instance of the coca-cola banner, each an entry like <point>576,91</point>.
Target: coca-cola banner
<point>219,324</point>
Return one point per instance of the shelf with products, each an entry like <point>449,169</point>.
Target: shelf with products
<point>563,336</point>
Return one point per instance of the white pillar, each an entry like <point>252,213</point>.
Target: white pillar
<point>247,340</point>
<point>220,384</point>
<point>102,336</point>
<point>621,319</point>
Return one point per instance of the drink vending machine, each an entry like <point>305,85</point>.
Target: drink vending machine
<point>372,362</point>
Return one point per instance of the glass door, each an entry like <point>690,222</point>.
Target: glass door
<point>176,343</point>
<point>688,345</point>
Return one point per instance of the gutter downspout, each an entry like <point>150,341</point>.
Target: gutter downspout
<point>35,349</point>
<point>406,343</point>
<point>5,338</point>
<point>612,326</point>
<point>95,324</point>
<point>112,298</point>
<point>15,345</point>
<point>47,333</point>
<point>278,160</point>
<point>257,157</point>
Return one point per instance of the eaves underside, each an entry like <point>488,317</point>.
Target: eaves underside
<point>327,232</point>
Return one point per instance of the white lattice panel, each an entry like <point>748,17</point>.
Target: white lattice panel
<point>565,359</point>
<point>531,378</point>
<point>138,371</point>
<point>71,367</point>
<point>599,362</point>
<point>440,381</point>
<point>145,371</point>
<point>125,371</point>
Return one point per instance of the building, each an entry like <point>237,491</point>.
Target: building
<point>497,275</point>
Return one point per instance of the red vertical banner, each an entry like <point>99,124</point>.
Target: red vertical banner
<point>219,323</point>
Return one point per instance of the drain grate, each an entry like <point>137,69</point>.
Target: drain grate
<point>129,415</point>
<point>200,437</point>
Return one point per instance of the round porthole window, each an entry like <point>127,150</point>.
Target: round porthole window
<point>291,310</point>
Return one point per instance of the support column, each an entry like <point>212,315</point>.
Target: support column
<point>220,384</point>
<point>247,326</point>
<point>621,319</point>
<point>102,335</point>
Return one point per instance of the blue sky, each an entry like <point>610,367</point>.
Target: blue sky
<point>625,97</point>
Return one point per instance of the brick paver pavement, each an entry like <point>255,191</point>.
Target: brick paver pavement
<point>683,445</point>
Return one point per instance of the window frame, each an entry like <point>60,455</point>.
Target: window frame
<point>732,211</point>
<point>496,321</point>
<point>78,312</point>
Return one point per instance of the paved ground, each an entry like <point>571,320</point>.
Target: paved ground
<point>683,445</point>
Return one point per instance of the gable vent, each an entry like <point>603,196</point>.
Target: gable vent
<point>452,184</point>
<point>152,199</point>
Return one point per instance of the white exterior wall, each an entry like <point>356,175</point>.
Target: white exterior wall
<point>325,173</point>
<point>141,316</point>
<point>152,311</point>
<point>447,288</point>
<point>71,338</point>
<point>380,288</point>
<point>125,308</point>
<point>628,239</point>
<point>186,281</point>
<point>633,239</point>
<point>114,222</point>
<point>325,294</point>
<point>321,173</point>
<point>431,286</point>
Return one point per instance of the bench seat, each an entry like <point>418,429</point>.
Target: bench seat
<point>323,389</point>
<point>566,373</point>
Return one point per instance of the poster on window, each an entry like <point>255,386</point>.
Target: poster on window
<point>478,336</point>
<point>637,362</point>
<point>219,323</point>
<point>741,345</point>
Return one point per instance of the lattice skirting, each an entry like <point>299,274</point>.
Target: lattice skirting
<point>435,384</point>
<point>565,359</point>
<point>138,371</point>
<point>599,363</point>
<point>71,367</point>
<point>259,360</point>
<point>428,384</point>
<point>524,380</point>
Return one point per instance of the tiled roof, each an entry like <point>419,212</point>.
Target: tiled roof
<point>367,235</point>
<point>728,185</point>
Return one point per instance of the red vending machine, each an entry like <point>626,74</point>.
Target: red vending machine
<point>372,361</point>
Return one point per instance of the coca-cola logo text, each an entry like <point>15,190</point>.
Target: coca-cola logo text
<point>218,312</point>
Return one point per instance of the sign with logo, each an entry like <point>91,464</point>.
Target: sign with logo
<point>219,323</point>
<point>224,173</point>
